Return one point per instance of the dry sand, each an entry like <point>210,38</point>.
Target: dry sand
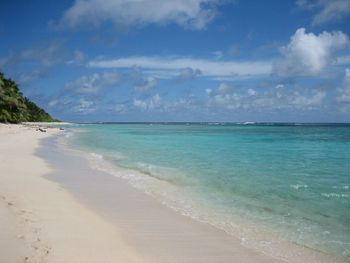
<point>41,222</point>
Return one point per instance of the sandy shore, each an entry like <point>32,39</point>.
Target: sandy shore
<point>54,208</point>
<point>40,221</point>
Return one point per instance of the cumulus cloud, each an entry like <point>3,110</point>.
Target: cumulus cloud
<point>223,96</point>
<point>344,92</point>
<point>271,98</point>
<point>140,82</point>
<point>290,98</point>
<point>146,84</point>
<point>303,101</point>
<point>188,102</point>
<point>165,66</point>
<point>93,83</point>
<point>66,103</point>
<point>251,92</point>
<point>148,104</point>
<point>308,54</point>
<point>327,10</point>
<point>193,14</point>
<point>120,108</point>
<point>84,106</point>
<point>188,74</point>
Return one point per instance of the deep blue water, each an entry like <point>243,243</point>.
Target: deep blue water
<point>290,180</point>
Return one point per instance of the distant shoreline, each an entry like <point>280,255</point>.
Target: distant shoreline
<point>205,123</point>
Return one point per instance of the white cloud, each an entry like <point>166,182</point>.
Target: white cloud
<point>188,74</point>
<point>208,68</point>
<point>218,54</point>
<point>223,96</point>
<point>251,92</point>
<point>194,14</point>
<point>140,82</point>
<point>208,91</point>
<point>270,99</point>
<point>146,84</point>
<point>301,101</point>
<point>328,10</point>
<point>188,102</point>
<point>342,60</point>
<point>53,103</point>
<point>78,58</point>
<point>308,54</point>
<point>148,104</point>
<point>140,104</point>
<point>224,87</point>
<point>120,108</point>
<point>344,92</point>
<point>279,86</point>
<point>284,97</point>
<point>93,83</point>
<point>84,106</point>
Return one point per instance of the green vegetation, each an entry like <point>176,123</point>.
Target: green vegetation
<point>15,108</point>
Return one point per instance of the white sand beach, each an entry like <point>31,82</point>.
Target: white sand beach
<point>41,222</point>
<point>54,208</point>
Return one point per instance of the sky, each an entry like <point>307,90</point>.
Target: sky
<point>180,60</point>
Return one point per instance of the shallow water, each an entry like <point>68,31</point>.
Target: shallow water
<point>290,182</point>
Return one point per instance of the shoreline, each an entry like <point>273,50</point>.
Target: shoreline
<point>250,236</point>
<point>42,222</point>
<point>127,178</point>
<point>156,231</point>
<point>144,229</point>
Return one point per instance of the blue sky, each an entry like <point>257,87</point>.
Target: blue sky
<point>181,60</point>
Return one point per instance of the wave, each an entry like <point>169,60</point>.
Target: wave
<point>152,180</point>
<point>236,216</point>
<point>299,186</point>
<point>336,195</point>
<point>343,187</point>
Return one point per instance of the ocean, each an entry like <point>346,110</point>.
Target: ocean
<point>269,184</point>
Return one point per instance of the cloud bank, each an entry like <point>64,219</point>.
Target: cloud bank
<point>344,91</point>
<point>192,14</point>
<point>148,104</point>
<point>280,97</point>
<point>165,66</point>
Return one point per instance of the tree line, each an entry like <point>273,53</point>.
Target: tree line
<point>16,108</point>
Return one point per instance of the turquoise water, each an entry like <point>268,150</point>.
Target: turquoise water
<point>292,181</point>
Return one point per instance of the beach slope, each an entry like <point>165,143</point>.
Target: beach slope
<point>40,221</point>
